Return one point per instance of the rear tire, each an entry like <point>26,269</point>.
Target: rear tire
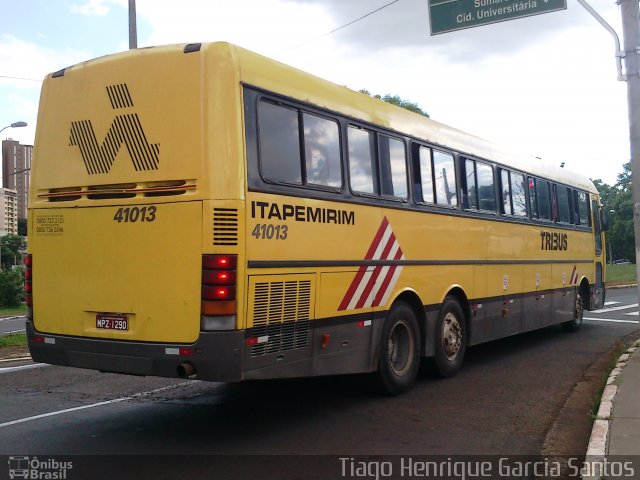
<point>399,358</point>
<point>578,312</point>
<point>451,339</point>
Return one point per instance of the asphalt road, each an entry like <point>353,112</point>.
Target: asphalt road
<point>11,324</point>
<point>510,398</point>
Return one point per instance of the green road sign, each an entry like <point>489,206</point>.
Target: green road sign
<point>449,15</point>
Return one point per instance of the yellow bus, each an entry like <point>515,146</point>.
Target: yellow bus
<point>201,211</point>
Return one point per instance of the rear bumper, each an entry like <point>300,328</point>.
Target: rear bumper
<point>217,356</point>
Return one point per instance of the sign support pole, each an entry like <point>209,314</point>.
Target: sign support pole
<point>631,33</point>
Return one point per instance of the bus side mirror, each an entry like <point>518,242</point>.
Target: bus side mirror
<point>604,220</point>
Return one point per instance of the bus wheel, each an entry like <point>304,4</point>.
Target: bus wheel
<point>578,312</point>
<point>450,340</point>
<point>399,358</point>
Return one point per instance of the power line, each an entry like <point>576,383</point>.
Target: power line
<point>20,78</point>
<point>346,24</point>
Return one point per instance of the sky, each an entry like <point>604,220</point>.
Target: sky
<point>544,85</point>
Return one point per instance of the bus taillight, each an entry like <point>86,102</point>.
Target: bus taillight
<point>218,295</point>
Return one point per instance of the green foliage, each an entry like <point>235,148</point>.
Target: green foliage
<point>13,340</point>
<point>396,100</point>
<point>11,288</point>
<point>618,204</point>
<point>11,246</point>
<point>22,227</point>
<point>621,274</point>
<point>19,310</point>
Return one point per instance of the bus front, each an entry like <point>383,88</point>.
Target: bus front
<point>133,261</point>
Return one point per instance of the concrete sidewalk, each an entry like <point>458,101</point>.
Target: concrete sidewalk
<point>615,437</point>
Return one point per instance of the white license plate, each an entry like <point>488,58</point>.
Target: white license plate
<point>111,321</point>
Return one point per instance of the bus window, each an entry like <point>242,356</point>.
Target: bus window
<point>445,179</point>
<point>486,190</point>
<point>583,209</point>
<point>597,231</point>
<point>540,196</point>
<point>513,194</point>
<point>533,198</point>
<point>564,207</point>
<point>322,151</point>
<point>426,175</point>
<point>518,195</point>
<point>279,143</point>
<point>472,191</point>
<point>361,158</point>
<point>480,187</point>
<point>393,167</point>
<point>543,193</point>
<point>505,192</point>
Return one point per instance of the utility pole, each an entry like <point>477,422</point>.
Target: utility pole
<point>133,29</point>
<point>631,33</point>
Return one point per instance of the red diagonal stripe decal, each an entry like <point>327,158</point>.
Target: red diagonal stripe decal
<point>362,270</point>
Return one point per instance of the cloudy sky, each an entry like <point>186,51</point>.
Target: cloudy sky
<point>546,85</point>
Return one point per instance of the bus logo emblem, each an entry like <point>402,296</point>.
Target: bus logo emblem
<point>371,287</point>
<point>125,128</point>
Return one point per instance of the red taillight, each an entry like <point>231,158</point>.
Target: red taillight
<point>28,276</point>
<point>219,262</point>
<point>219,284</point>
<point>218,293</point>
<point>218,277</point>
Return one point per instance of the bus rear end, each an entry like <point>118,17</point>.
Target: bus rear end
<point>120,219</point>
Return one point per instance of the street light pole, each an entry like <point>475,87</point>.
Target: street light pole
<point>14,125</point>
<point>133,29</point>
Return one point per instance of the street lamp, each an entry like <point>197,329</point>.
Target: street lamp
<point>14,125</point>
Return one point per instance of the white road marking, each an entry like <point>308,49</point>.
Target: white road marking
<point>633,314</point>
<point>92,405</point>
<point>607,304</point>
<point>615,309</point>
<point>610,320</point>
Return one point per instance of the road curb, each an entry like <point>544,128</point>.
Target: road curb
<point>614,287</point>
<point>599,440</point>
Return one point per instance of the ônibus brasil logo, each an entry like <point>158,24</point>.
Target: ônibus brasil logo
<point>125,128</point>
<point>34,468</point>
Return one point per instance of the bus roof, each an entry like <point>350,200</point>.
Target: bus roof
<point>263,72</point>
<point>268,74</point>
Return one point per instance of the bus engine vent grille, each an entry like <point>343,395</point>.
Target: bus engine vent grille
<point>225,226</point>
<point>281,316</point>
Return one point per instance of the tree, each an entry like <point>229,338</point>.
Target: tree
<point>396,100</point>
<point>22,227</point>
<point>10,245</point>
<point>11,288</point>
<point>618,204</point>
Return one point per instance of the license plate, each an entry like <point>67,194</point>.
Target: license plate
<point>111,321</point>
